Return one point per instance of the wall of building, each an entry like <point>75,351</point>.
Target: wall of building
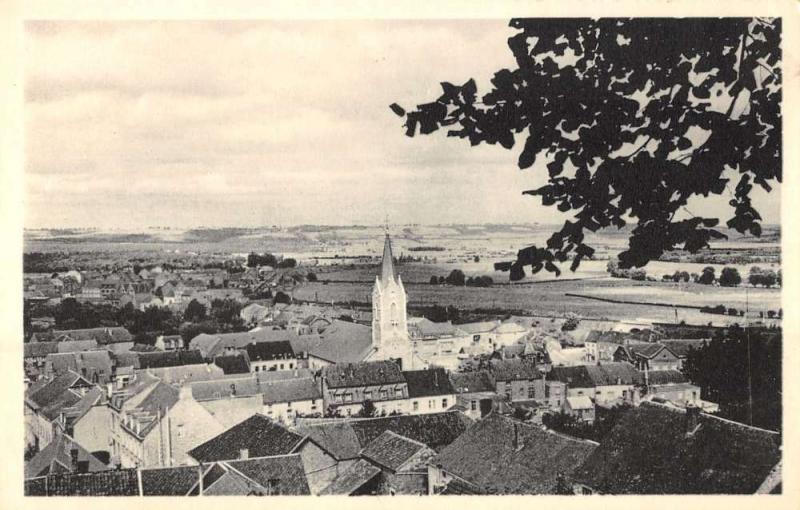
<point>286,412</point>
<point>427,405</point>
<point>524,389</point>
<point>92,431</point>
<point>231,411</point>
<point>271,365</point>
<point>357,395</point>
<point>320,467</point>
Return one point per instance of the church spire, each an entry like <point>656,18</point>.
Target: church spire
<point>387,265</point>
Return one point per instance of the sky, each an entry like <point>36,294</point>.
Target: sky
<point>240,123</point>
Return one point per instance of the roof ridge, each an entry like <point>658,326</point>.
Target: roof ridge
<point>711,416</point>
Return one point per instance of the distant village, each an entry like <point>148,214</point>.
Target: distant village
<point>218,382</point>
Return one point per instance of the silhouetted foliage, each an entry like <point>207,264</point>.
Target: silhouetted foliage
<point>266,259</point>
<point>721,369</point>
<point>456,277</point>
<point>707,277</point>
<point>632,118</point>
<point>729,277</point>
<point>195,311</point>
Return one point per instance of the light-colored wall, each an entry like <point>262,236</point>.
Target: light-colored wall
<point>427,405</point>
<point>231,411</point>
<point>278,364</point>
<point>319,466</point>
<point>92,431</point>
<point>286,412</point>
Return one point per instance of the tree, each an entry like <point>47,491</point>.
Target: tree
<point>287,263</point>
<point>476,258</point>
<point>367,410</point>
<point>638,274</point>
<point>729,277</point>
<point>707,277</point>
<point>311,277</point>
<point>282,297</point>
<point>267,259</point>
<point>571,323</point>
<point>195,311</point>
<point>609,107</point>
<point>756,276</point>
<point>434,280</point>
<point>456,277</point>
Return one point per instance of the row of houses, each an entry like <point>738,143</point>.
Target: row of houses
<point>652,449</point>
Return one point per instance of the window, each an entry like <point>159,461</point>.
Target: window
<point>348,397</point>
<point>531,391</point>
<point>416,405</point>
<point>444,403</point>
<point>290,365</point>
<point>476,338</point>
<point>367,394</point>
<point>430,404</point>
<point>473,405</point>
<point>281,366</point>
<point>273,487</point>
<point>384,394</point>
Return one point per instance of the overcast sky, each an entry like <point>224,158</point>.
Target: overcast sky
<point>257,123</point>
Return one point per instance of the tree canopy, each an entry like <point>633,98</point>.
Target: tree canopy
<point>632,118</point>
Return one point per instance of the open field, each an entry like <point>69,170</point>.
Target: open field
<point>549,298</point>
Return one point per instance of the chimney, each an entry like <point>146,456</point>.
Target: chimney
<point>233,389</point>
<point>692,419</point>
<point>244,454</point>
<point>73,456</point>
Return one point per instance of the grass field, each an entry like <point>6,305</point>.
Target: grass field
<point>549,297</point>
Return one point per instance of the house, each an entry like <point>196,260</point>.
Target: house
<point>113,338</point>
<point>259,436</point>
<point>161,428</point>
<point>238,363</point>
<point>347,386</point>
<point>186,373</point>
<point>345,439</point>
<point>682,347</point>
<point>62,455</point>
<point>476,392</point>
<point>659,449</point>
<point>169,342</point>
<point>268,476</point>
<point>390,464</point>
<point>651,356</point>
<point>163,359</point>
<point>285,400</point>
<point>580,407</point>
<point>230,400</point>
<point>35,353</point>
<point>254,313</point>
<point>674,387</point>
<point>499,455</point>
<point>429,390</point>
<point>607,385</point>
<point>47,400</point>
<point>95,366</point>
<point>517,379</point>
<point>269,356</point>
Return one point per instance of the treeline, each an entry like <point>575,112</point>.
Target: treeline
<point>268,259</point>
<point>457,277</point>
<point>726,367</point>
<point>728,277</point>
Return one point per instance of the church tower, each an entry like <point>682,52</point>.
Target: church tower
<point>389,329</point>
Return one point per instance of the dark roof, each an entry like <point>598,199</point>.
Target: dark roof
<point>53,392</point>
<point>163,359</point>
<point>457,487</point>
<point>233,363</point>
<point>56,457</point>
<point>391,450</point>
<point>351,479</point>
<point>258,434</point>
<point>513,369</point>
<point>103,336</point>
<point>123,482</point>
<point>144,348</point>
<point>682,347</point>
<point>502,456</point>
<point>428,383</point>
<point>620,337</point>
<point>650,452</point>
<point>267,351</point>
<point>170,481</point>
<point>472,382</point>
<point>610,374</point>
<point>39,349</point>
<point>284,473</point>
<point>291,390</point>
<point>574,377</point>
<point>372,373</point>
<point>344,440</point>
<point>656,377</point>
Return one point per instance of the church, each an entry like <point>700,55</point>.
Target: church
<point>390,338</point>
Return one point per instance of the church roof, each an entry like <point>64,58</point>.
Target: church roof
<point>387,264</point>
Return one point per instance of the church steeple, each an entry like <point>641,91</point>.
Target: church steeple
<point>387,264</point>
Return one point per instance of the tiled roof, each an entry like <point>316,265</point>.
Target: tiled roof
<point>457,487</point>
<point>428,383</point>
<point>282,474</point>
<point>225,388</point>
<point>267,351</point>
<point>56,457</point>
<point>351,479</point>
<point>77,345</point>
<point>170,481</point>
<point>39,349</point>
<point>233,363</point>
<point>513,370</point>
<point>258,434</point>
<point>503,456</point>
<point>580,402</point>
<point>122,482</point>
<point>472,382</point>
<point>291,390</point>
<point>610,374</point>
<point>650,452</point>
<point>427,328</point>
<point>372,373</point>
<point>574,377</point>
<point>50,392</point>
<point>657,377</point>
<point>102,335</point>
<point>681,348</point>
<point>391,450</point>
<point>344,440</point>
<point>169,359</point>
<point>187,373</point>
<point>643,350</point>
